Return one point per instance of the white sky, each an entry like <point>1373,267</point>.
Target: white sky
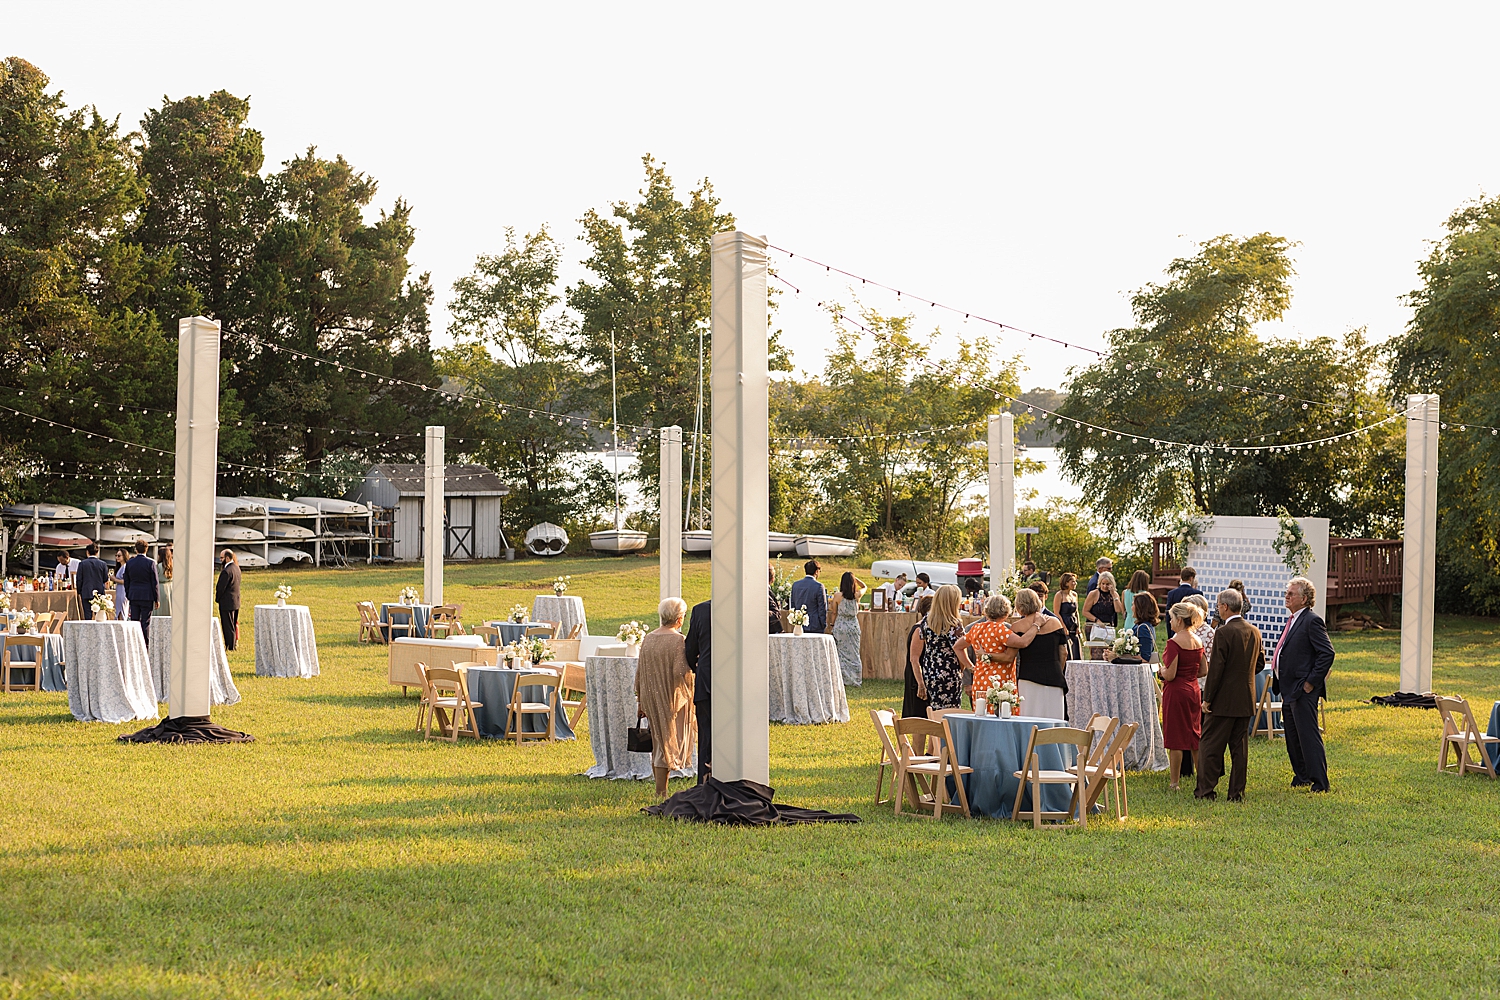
<point>1032,163</point>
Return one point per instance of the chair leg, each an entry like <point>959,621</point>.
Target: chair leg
<point>1036,801</point>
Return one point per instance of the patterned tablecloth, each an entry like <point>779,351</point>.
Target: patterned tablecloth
<point>609,689</point>
<point>995,749</point>
<point>421,614</point>
<point>805,684</point>
<point>1127,692</point>
<point>109,671</point>
<point>567,611</point>
<point>495,686</point>
<point>285,645</point>
<point>52,662</point>
<point>221,684</point>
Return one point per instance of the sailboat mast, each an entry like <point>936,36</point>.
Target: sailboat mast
<point>698,430</point>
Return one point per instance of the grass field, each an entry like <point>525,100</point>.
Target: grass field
<point>341,856</point>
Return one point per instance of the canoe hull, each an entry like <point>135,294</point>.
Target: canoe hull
<point>825,545</point>
<point>45,512</point>
<point>782,542</point>
<point>53,537</point>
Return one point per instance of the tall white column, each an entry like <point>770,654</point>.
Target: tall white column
<point>193,526</point>
<point>1419,548</point>
<point>1002,497</point>
<point>741,709</point>
<point>671,512</point>
<point>432,519</point>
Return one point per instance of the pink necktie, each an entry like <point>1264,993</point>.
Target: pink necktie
<point>1276,656</point>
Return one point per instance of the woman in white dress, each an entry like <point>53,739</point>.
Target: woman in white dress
<point>843,625</point>
<point>122,604</point>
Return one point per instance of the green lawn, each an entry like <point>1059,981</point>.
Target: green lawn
<point>341,856</point>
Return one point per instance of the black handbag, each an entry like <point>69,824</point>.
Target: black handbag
<point>638,737</point>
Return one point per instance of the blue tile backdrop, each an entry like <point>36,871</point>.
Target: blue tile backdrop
<point>1220,558</point>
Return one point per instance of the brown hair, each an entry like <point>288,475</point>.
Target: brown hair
<point>1146,609</point>
<point>924,605</point>
<point>1140,582</point>
<point>1068,581</point>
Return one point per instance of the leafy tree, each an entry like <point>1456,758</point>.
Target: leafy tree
<point>1452,347</point>
<point>1067,542</point>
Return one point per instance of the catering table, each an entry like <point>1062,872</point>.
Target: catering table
<point>882,642</point>
<point>609,692</point>
<point>109,671</point>
<point>1126,691</point>
<point>64,601</point>
<point>285,644</point>
<point>220,683</point>
<point>806,686</point>
<point>566,611</point>
<point>995,749</point>
<point>52,662</point>
<point>421,614</point>
<point>495,686</point>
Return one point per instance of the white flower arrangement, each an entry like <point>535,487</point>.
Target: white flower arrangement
<point>25,621</point>
<point>511,652</point>
<point>4,602</point>
<point>284,592</point>
<point>538,649</point>
<point>560,585</point>
<point>1187,531</point>
<point>798,616</point>
<point>632,632</point>
<point>407,596</point>
<point>1290,544</point>
<point>103,602</point>
<point>1003,694</point>
<point>1126,644</point>
<point>519,613</point>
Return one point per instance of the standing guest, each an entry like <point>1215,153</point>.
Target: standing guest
<point>1187,586</point>
<point>1147,614</point>
<point>937,667</point>
<point>1043,641</point>
<point>1065,606</point>
<point>1102,565</point>
<point>924,586</point>
<point>164,576</point>
<point>227,596</point>
<point>1229,700</point>
<point>775,606</point>
<point>91,578</point>
<point>1182,663</point>
<point>1039,588</point>
<point>1300,665</point>
<point>843,625</point>
<point>1029,573</point>
<point>122,603</point>
<point>1244,597</point>
<point>139,577</point>
<point>1140,583</point>
<point>987,640</point>
<point>696,650</point>
<point>1203,630</point>
<point>808,593</point>
<point>63,574</point>
<point>1103,606</point>
<point>664,693</point>
<point>914,705</point>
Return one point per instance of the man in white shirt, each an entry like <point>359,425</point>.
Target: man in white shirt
<point>891,589</point>
<point>65,567</point>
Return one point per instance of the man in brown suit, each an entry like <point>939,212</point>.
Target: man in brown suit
<point>1229,700</point>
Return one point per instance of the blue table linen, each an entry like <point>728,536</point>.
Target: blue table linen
<point>52,662</point>
<point>495,686</point>
<point>994,748</point>
<point>421,614</point>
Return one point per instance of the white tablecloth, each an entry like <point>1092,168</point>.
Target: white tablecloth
<point>1127,692</point>
<point>566,610</point>
<point>806,686</point>
<point>221,684</point>
<point>609,687</point>
<point>285,645</point>
<point>109,671</point>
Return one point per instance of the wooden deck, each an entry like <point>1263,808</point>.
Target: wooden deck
<point>1359,569</point>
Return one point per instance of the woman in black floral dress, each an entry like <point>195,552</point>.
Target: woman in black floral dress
<point>938,671</point>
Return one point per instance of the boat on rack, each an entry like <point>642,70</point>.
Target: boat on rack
<point>278,554</point>
<point>698,540</point>
<point>119,534</point>
<point>237,507</point>
<point>334,506</point>
<point>250,560</point>
<point>226,531</point>
<point>44,512</point>
<point>282,508</point>
<point>546,539</point>
<point>119,508</point>
<point>825,545</point>
<point>782,542</point>
<point>287,530</point>
<point>51,536</point>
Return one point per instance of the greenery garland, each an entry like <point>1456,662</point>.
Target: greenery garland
<point>1188,530</point>
<point>1291,545</point>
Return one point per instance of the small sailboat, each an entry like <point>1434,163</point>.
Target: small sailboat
<point>825,545</point>
<point>44,512</point>
<point>250,560</point>
<point>52,537</point>
<point>226,531</point>
<point>120,508</point>
<point>546,539</point>
<point>334,506</point>
<point>237,507</point>
<point>698,540</point>
<point>282,508</point>
<point>620,539</point>
<point>287,530</point>
<point>782,542</point>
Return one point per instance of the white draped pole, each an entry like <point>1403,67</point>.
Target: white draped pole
<point>193,525</point>
<point>1002,497</point>
<point>741,710</point>
<point>671,512</point>
<point>433,504</point>
<point>1419,547</point>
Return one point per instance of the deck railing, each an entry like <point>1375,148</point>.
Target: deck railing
<point>1358,568</point>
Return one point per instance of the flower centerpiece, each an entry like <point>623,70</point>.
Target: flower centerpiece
<point>283,592</point>
<point>103,605</point>
<point>519,612</point>
<point>5,600</point>
<point>1126,644</point>
<point>560,585</point>
<point>781,584</point>
<point>407,596</point>
<point>798,618</point>
<point>25,621</point>
<point>1290,544</point>
<point>510,653</point>
<point>538,649</point>
<point>632,633</point>
<point>1003,698</point>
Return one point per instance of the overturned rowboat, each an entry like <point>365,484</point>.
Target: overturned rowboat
<point>546,539</point>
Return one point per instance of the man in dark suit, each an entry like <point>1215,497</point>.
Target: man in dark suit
<point>775,605</point>
<point>140,587</point>
<point>808,593</point>
<point>1229,700</point>
<point>227,596</point>
<point>91,578</point>
<point>700,631</point>
<point>1300,665</point>
<point>1187,586</point>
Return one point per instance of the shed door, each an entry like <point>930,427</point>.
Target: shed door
<point>458,540</point>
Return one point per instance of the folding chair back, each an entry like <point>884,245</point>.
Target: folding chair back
<point>1460,732</point>
<point>576,632</point>
<point>1263,723</point>
<point>1097,778</point>
<point>546,629</point>
<point>369,622</point>
<point>1037,777</point>
<point>489,633</point>
<point>445,619</point>
<point>924,783</point>
<point>54,627</point>
<point>35,642</point>
<point>1103,727</point>
<point>449,693</point>
<point>407,623</point>
<point>885,725</point>
<point>520,708</point>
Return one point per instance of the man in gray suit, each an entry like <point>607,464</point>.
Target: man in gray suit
<point>1229,700</point>
<point>808,593</point>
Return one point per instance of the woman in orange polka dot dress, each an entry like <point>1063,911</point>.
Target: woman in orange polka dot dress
<point>985,639</point>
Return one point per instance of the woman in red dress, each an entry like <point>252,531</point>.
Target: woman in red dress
<point>1182,663</point>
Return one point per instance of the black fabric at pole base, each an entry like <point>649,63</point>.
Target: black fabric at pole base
<point>1405,699</point>
<point>187,729</point>
<point>739,803</point>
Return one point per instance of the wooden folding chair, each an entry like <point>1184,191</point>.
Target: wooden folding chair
<point>445,618</point>
<point>43,622</point>
<point>520,707</point>
<point>936,772</point>
<point>489,633</point>
<point>576,632</point>
<point>1263,722</point>
<point>1033,774</point>
<point>7,677</point>
<point>1460,732</point>
<point>369,622</point>
<point>54,627</point>
<point>424,694</point>
<point>450,694</point>
<point>1106,768</point>
<point>390,626</point>
<point>885,726</point>
<point>547,630</point>
<point>572,682</point>
<point>1103,727</point>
